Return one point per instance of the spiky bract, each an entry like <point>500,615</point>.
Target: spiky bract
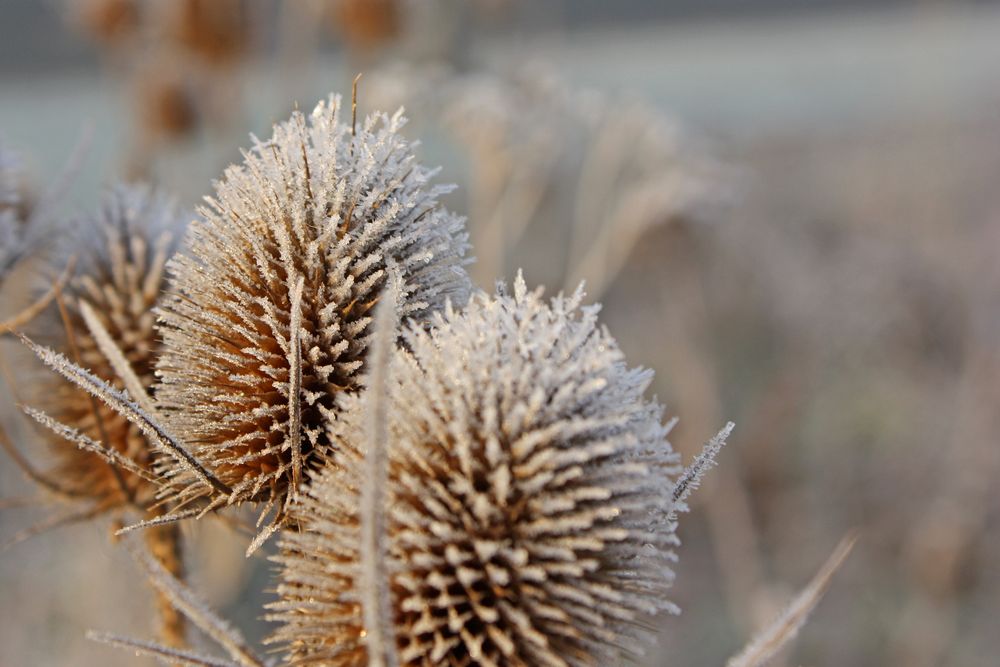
<point>526,502</point>
<point>268,321</point>
<point>120,276</point>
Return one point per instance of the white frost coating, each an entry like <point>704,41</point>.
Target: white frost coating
<point>528,481</point>
<point>690,479</point>
<point>249,379</point>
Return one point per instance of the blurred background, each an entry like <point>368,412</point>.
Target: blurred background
<point>791,211</point>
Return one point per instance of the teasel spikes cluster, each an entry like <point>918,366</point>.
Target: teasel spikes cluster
<point>105,323</point>
<point>526,509</point>
<point>266,322</point>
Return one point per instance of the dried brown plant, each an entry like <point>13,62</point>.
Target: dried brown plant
<point>521,513</point>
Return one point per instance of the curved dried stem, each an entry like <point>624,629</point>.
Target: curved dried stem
<point>53,522</point>
<point>783,629</point>
<point>165,544</point>
<point>33,473</point>
<point>189,604</point>
<point>29,313</point>
<point>164,654</point>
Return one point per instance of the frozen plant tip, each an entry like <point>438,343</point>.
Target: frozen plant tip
<point>525,512</point>
<point>267,322</point>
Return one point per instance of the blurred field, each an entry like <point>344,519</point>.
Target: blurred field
<point>834,289</point>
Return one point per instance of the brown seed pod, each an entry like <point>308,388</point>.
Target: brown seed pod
<point>267,321</point>
<point>526,514</point>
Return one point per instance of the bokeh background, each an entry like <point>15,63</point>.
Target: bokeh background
<point>791,211</point>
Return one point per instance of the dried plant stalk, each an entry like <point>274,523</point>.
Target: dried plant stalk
<point>766,644</point>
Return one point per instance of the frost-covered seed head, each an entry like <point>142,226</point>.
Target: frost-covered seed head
<point>529,485</point>
<point>269,314</point>
<point>121,254</point>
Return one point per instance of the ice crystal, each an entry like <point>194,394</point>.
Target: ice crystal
<point>268,321</point>
<point>528,493</point>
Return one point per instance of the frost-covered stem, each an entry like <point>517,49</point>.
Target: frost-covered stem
<point>187,602</point>
<point>163,654</point>
<point>295,385</point>
<point>376,603</point>
<point>690,479</point>
<point>26,315</point>
<point>783,629</point>
<point>120,403</point>
<point>165,544</point>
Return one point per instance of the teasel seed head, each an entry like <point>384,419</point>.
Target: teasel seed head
<point>268,318</point>
<point>121,255</point>
<point>528,500</point>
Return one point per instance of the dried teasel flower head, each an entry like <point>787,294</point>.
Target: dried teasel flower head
<point>121,256</point>
<point>528,495</point>
<point>268,321</point>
